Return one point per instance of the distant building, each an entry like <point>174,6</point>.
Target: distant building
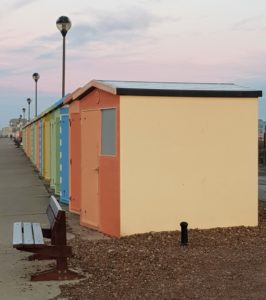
<point>15,125</point>
<point>6,131</point>
<point>14,122</point>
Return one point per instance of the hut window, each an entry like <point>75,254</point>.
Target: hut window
<point>108,146</point>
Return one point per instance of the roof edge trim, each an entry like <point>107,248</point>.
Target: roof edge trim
<point>188,93</point>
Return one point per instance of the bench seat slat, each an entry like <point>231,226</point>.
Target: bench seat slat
<point>37,234</point>
<point>17,234</point>
<point>27,234</point>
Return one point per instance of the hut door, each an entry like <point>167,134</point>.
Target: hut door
<point>57,155</point>
<point>64,157</point>
<point>75,162</point>
<point>41,147</point>
<point>90,138</point>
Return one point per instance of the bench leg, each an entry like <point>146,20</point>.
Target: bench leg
<point>55,274</point>
<point>61,272</point>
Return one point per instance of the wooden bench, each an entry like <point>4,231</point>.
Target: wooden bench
<point>30,237</point>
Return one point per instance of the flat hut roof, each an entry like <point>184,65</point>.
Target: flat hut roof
<point>182,89</point>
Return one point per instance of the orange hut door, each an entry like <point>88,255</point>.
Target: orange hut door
<point>90,139</point>
<point>75,163</point>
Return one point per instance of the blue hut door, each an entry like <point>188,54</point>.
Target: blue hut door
<point>64,163</point>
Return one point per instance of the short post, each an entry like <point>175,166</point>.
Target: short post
<point>184,233</point>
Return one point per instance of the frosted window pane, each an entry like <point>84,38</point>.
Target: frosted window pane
<point>108,132</point>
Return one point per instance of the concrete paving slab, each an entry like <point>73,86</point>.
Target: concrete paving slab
<point>15,275</point>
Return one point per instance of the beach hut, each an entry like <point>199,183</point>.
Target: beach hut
<point>42,136</point>
<point>155,154</point>
<point>64,155</point>
<point>24,140</point>
<point>34,143</point>
<point>46,163</point>
<point>74,179</point>
<point>28,141</point>
<point>51,145</point>
<point>31,141</point>
<point>55,150</point>
<point>37,143</point>
<point>41,146</point>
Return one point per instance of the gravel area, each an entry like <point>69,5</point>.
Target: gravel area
<point>222,263</point>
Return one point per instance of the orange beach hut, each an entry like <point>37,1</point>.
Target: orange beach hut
<point>155,154</point>
<point>74,151</point>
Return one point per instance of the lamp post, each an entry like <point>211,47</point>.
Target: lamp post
<point>23,111</point>
<point>63,24</point>
<point>29,102</point>
<point>35,77</point>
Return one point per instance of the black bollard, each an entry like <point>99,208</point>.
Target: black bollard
<point>184,234</point>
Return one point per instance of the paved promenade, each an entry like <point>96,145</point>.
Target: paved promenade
<point>22,198</point>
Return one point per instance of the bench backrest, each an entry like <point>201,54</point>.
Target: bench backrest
<point>57,219</point>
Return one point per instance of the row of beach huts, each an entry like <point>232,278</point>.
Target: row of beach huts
<point>133,157</point>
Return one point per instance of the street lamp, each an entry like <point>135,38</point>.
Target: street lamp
<point>29,102</point>
<point>63,24</point>
<point>23,110</point>
<point>35,77</point>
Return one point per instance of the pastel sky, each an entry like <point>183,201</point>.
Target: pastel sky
<point>152,40</point>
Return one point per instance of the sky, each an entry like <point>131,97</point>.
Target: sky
<point>150,40</point>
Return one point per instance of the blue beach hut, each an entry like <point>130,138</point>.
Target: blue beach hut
<point>64,155</point>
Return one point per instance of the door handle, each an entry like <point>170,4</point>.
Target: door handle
<point>95,169</point>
